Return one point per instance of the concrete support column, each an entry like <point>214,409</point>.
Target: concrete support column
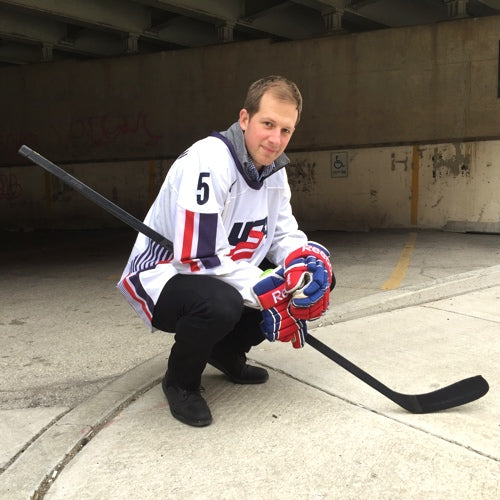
<point>131,44</point>
<point>47,52</point>
<point>225,32</point>
<point>457,8</point>
<point>333,19</point>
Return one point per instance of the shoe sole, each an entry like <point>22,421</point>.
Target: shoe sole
<point>193,423</point>
<point>241,381</point>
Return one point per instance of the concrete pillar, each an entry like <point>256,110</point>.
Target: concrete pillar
<point>47,54</point>
<point>333,19</point>
<point>457,8</point>
<point>131,44</point>
<point>225,32</point>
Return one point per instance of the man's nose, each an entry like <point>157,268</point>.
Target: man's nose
<point>275,136</point>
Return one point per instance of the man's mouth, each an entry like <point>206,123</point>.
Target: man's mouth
<point>270,151</point>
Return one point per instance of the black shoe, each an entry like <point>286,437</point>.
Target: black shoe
<point>188,406</point>
<point>235,368</point>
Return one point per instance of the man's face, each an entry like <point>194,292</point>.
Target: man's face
<point>269,130</point>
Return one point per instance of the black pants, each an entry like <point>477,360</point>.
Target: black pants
<point>206,314</point>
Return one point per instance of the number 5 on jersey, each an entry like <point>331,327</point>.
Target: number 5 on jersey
<point>202,189</point>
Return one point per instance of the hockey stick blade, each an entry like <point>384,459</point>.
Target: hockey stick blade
<point>457,394</point>
<point>94,196</point>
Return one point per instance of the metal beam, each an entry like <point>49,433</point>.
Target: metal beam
<point>112,15</point>
<point>323,5</point>
<point>212,11</point>
<point>485,7</point>
<point>187,32</point>
<point>15,53</point>
<point>103,28</point>
<point>492,4</point>
<point>344,12</point>
<point>16,26</point>
<point>286,20</point>
<point>395,13</point>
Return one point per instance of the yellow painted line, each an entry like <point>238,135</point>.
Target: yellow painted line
<point>415,165</point>
<point>401,268</point>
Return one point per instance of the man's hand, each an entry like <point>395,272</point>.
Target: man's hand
<point>277,323</point>
<point>308,274</point>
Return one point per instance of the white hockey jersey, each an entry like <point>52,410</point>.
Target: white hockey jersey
<point>220,223</point>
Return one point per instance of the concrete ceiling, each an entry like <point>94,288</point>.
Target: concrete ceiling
<point>33,31</point>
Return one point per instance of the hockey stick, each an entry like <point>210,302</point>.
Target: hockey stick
<point>95,197</point>
<point>456,394</point>
<point>459,393</point>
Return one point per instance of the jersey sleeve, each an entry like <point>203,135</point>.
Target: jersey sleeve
<point>288,236</point>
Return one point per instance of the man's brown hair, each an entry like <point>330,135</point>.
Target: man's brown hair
<point>281,88</point>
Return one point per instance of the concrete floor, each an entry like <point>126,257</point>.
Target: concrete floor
<point>82,414</point>
<point>67,332</point>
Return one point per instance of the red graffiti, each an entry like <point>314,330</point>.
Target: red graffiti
<point>99,130</point>
<point>10,189</point>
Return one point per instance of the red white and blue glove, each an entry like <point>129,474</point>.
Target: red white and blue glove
<point>308,274</point>
<point>277,322</point>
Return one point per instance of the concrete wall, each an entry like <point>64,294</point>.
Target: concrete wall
<point>375,95</point>
<point>452,186</point>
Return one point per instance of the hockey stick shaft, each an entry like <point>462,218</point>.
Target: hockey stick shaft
<point>347,365</point>
<point>457,394</point>
<point>95,197</point>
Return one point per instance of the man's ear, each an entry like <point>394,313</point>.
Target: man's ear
<point>244,118</point>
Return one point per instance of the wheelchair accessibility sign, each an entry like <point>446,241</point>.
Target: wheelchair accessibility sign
<point>339,163</point>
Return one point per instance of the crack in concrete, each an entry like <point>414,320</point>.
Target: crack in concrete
<point>459,313</point>
<point>32,440</point>
<point>359,405</point>
<point>52,475</point>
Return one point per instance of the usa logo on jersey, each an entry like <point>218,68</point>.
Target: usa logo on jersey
<point>246,237</point>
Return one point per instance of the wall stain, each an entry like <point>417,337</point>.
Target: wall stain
<point>301,176</point>
<point>17,322</point>
<point>437,202</point>
<point>457,165</point>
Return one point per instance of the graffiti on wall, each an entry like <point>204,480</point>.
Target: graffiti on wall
<point>10,189</point>
<point>112,128</point>
<point>301,176</point>
<point>118,129</point>
<point>395,161</point>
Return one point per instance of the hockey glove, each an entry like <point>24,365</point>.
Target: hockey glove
<point>277,323</point>
<point>308,274</point>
